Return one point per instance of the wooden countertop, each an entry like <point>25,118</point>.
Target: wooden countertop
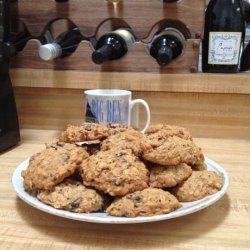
<point>224,225</point>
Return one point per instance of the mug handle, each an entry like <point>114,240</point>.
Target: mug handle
<point>144,103</point>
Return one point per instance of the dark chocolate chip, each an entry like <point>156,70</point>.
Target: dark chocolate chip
<point>137,199</point>
<point>76,203</point>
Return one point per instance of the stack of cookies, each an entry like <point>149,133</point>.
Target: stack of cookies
<point>118,170</point>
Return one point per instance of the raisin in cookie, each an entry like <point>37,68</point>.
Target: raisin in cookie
<point>199,185</point>
<point>52,165</point>
<point>173,151</point>
<point>168,176</point>
<point>148,202</point>
<point>130,139</point>
<point>115,172</point>
<point>85,132</point>
<point>73,196</point>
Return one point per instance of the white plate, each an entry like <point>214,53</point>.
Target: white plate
<point>187,207</point>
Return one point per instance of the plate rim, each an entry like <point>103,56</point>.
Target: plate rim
<point>108,219</point>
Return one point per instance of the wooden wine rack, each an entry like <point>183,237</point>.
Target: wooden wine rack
<point>143,16</point>
<point>49,95</point>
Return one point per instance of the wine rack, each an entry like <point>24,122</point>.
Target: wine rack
<point>144,17</point>
<point>49,95</point>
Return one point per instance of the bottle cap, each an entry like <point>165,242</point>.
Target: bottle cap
<point>50,51</point>
<point>164,55</point>
<point>102,54</point>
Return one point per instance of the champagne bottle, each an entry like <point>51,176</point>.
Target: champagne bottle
<point>113,45</point>
<point>166,45</point>
<point>223,36</point>
<point>246,5</point>
<point>64,45</point>
<point>245,59</point>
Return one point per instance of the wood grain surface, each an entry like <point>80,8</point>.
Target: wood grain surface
<point>155,82</point>
<point>97,17</point>
<point>141,15</point>
<point>224,225</point>
<point>206,115</point>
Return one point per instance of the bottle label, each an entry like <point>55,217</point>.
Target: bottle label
<point>224,48</point>
<point>126,35</point>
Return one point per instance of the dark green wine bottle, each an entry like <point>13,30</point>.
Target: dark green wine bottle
<point>113,45</point>
<point>223,36</point>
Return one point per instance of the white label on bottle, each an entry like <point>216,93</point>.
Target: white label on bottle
<point>224,48</point>
<point>126,35</point>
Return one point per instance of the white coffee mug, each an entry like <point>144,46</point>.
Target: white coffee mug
<point>106,106</point>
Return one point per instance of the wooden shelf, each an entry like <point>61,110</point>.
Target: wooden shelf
<point>156,82</point>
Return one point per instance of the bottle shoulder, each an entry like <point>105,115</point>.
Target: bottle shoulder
<point>171,34</point>
<point>111,39</point>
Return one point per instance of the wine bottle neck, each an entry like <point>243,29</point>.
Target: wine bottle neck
<point>164,55</point>
<point>102,54</point>
<point>50,51</point>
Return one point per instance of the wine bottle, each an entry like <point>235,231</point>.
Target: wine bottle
<point>246,5</point>
<point>245,59</point>
<point>166,45</point>
<point>64,45</point>
<point>19,34</point>
<point>113,45</point>
<point>19,38</point>
<point>223,36</point>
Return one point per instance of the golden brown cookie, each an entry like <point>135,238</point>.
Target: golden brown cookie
<point>115,128</point>
<point>148,202</point>
<point>167,131</point>
<point>115,172</point>
<point>199,185</point>
<point>73,196</point>
<point>52,165</point>
<point>168,176</point>
<point>173,151</point>
<point>85,132</point>
<point>130,139</point>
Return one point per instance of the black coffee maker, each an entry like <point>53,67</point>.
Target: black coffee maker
<point>9,127</point>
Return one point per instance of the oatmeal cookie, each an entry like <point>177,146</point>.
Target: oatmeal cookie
<point>85,132</point>
<point>115,172</point>
<point>167,131</point>
<point>148,202</point>
<point>73,196</point>
<point>200,166</point>
<point>199,185</point>
<point>115,128</point>
<point>168,176</point>
<point>52,165</point>
<point>130,139</point>
<point>173,151</point>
